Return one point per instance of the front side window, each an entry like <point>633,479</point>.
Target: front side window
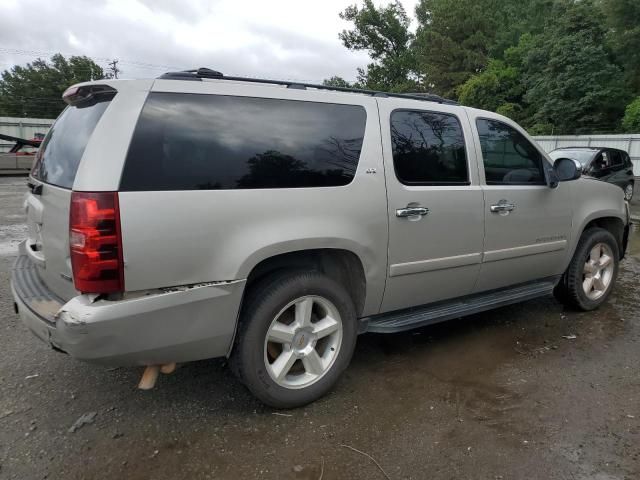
<point>508,157</point>
<point>212,142</point>
<point>428,148</point>
<point>602,162</point>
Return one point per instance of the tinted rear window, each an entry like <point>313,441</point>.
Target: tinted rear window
<point>428,148</point>
<point>617,158</point>
<point>196,142</point>
<point>61,151</point>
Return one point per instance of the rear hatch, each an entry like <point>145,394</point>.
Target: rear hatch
<point>51,182</point>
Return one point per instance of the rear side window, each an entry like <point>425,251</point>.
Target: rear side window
<point>617,158</point>
<point>59,155</point>
<point>428,148</point>
<point>208,142</point>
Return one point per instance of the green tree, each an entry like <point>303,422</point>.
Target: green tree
<point>35,90</point>
<point>499,84</point>
<point>513,19</point>
<point>384,34</point>
<point>453,40</point>
<point>337,81</point>
<point>552,65</point>
<point>631,119</point>
<point>570,81</point>
<point>624,37</point>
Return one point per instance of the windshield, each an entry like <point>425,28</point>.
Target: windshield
<point>583,156</point>
<point>60,153</point>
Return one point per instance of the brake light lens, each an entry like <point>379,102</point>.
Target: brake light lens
<point>95,242</point>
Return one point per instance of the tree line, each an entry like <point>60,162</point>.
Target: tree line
<point>35,90</point>
<point>554,66</point>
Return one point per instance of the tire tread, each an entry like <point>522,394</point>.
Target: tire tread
<point>261,297</point>
<point>569,290</point>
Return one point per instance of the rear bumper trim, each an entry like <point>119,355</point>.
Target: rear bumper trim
<point>146,328</point>
<point>32,291</point>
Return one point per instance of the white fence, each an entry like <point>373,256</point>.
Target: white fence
<point>629,143</point>
<point>23,128</point>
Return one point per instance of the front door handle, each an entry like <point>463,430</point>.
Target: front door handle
<point>411,211</point>
<point>502,207</point>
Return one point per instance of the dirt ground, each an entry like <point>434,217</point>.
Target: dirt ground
<point>531,391</point>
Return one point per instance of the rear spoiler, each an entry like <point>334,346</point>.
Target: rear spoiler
<point>86,95</point>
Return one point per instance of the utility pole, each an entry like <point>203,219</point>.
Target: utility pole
<point>113,66</point>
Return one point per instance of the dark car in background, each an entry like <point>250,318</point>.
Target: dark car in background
<point>606,164</point>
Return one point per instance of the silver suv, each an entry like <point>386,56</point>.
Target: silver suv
<point>198,215</point>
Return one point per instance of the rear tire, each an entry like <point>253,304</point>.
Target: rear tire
<point>592,273</point>
<point>296,336</point>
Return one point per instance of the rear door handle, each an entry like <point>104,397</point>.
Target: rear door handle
<point>412,211</point>
<point>502,206</point>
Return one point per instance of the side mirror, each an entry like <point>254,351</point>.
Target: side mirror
<point>567,169</point>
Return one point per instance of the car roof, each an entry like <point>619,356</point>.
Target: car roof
<point>208,75</point>
<point>202,73</point>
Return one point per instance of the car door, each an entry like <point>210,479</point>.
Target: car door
<point>527,223</point>
<point>434,203</point>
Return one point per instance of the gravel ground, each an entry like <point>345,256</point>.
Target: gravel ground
<point>508,394</point>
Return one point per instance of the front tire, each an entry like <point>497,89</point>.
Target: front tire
<point>592,273</point>
<point>296,336</point>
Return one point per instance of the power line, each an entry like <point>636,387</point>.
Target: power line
<point>38,53</point>
<point>133,63</point>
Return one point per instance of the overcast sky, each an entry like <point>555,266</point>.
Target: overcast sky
<point>285,39</point>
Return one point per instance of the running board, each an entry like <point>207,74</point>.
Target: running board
<point>415,317</point>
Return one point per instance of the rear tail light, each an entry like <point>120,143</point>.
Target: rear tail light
<point>95,242</point>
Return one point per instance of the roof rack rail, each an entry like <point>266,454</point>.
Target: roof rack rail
<point>200,73</point>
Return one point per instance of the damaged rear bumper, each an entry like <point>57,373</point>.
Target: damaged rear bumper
<point>144,328</point>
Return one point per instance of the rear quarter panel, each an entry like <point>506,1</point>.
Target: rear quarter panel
<point>184,237</point>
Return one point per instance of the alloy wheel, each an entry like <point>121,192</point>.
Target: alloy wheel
<point>303,342</point>
<point>628,192</point>
<point>598,271</point>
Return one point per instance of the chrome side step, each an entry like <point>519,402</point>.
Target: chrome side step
<point>415,317</point>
